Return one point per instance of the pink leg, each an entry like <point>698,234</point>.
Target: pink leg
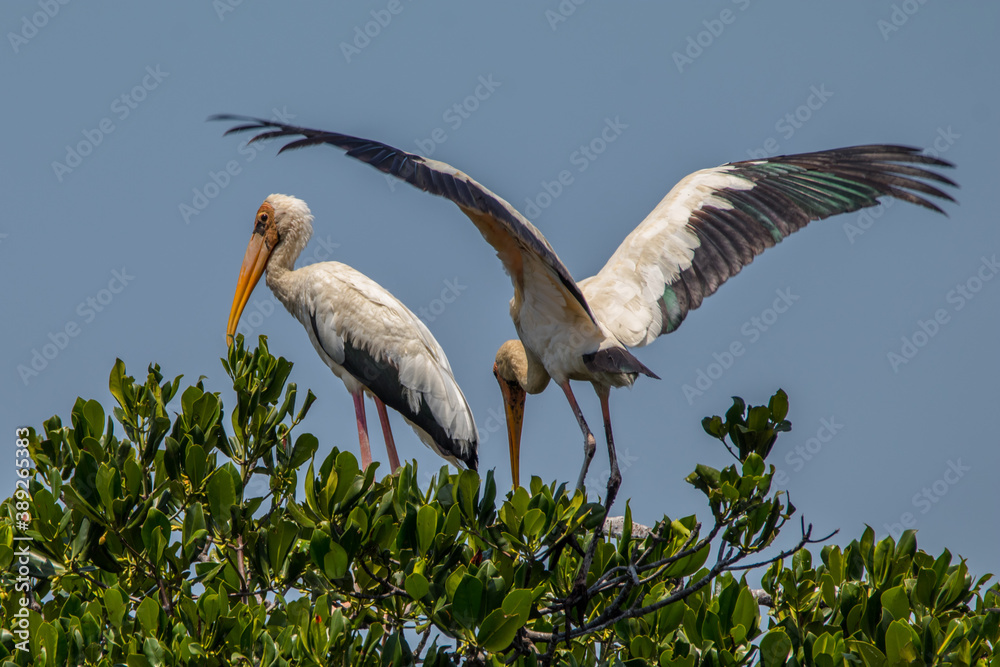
<point>359,411</point>
<point>589,444</point>
<point>390,444</point>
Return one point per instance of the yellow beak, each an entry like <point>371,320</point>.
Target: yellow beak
<point>513,403</point>
<point>254,263</point>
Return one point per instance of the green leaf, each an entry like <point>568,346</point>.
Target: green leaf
<point>117,379</point>
<point>304,449</point>
<point>417,586</point>
<point>778,406</point>
<point>108,487</point>
<point>757,419</point>
<point>882,560</point>
<point>115,604</point>
<point>48,639</point>
<point>642,647</point>
<point>335,561</point>
<point>899,644</point>
<point>825,645</point>
<point>907,545</point>
<point>280,540</point>
<point>154,652</point>
<point>221,494</point>
<point>94,414</point>
<point>136,660</point>
<point>155,533</point>
<point>714,427</point>
<point>774,648</point>
<point>666,661</point>
<point>753,465</point>
<point>310,399</point>
<point>468,596</point>
<point>834,561</point>
<point>926,584</point>
<point>195,465</point>
<point>689,564</point>
<point>870,655</point>
<point>746,611</point>
<point>148,614</point>
<point>735,413</point>
<point>896,602</point>
<point>347,472</point>
<point>498,631</point>
<point>427,518</point>
<point>466,489</point>
<point>517,603</point>
<point>534,522</point>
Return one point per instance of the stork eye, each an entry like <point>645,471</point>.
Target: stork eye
<point>263,217</point>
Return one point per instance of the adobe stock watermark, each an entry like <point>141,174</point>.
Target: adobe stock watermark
<point>803,453</point>
<point>449,294</point>
<point>21,502</point>
<point>223,7</point>
<point>454,116</point>
<point>581,158</point>
<point>898,17</point>
<point>958,297</point>
<point>258,310</point>
<point>41,357</point>
<point>701,41</point>
<point>752,330</point>
<point>562,12</point>
<point>218,181</point>
<point>793,121</point>
<point>30,25</point>
<point>929,496</point>
<point>942,142</point>
<point>122,107</point>
<point>363,34</point>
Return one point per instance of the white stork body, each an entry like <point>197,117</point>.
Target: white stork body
<point>367,337</point>
<point>710,225</point>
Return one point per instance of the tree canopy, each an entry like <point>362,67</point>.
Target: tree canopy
<point>135,537</point>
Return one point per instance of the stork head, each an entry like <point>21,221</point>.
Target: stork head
<point>281,222</point>
<point>291,216</point>
<point>517,377</point>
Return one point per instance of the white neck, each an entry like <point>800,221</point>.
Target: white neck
<point>294,233</point>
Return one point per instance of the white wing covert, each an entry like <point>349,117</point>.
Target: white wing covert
<point>380,344</point>
<point>715,221</point>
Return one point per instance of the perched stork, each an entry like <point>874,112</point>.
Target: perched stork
<point>367,337</point>
<point>707,228</point>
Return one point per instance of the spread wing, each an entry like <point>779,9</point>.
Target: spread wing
<point>715,221</point>
<point>525,253</point>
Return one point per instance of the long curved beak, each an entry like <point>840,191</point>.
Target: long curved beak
<point>254,263</point>
<point>513,403</point>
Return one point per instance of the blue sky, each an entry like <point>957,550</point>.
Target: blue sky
<point>130,214</point>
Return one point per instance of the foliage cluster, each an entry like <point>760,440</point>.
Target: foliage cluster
<point>153,548</point>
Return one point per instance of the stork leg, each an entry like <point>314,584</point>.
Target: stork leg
<point>615,480</point>
<point>390,444</point>
<point>589,443</point>
<point>359,411</point>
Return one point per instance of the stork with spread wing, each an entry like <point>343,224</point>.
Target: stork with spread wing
<point>707,228</point>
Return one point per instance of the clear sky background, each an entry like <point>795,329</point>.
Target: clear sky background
<point>511,93</point>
